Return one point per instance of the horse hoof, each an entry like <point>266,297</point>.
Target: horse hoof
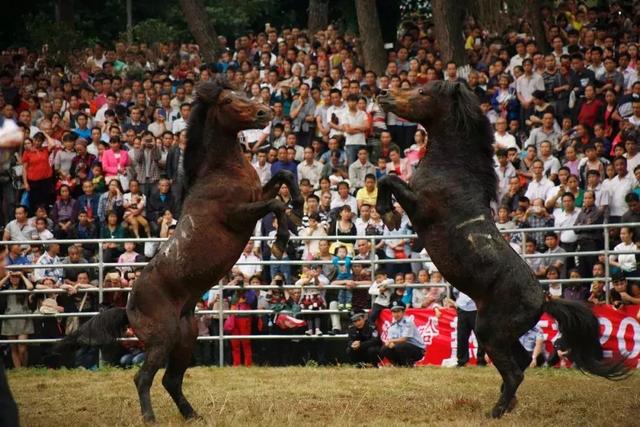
<point>497,411</point>
<point>277,250</point>
<point>392,220</point>
<point>149,419</point>
<point>193,416</point>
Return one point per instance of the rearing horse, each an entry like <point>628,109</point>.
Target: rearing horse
<point>448,202</point>
<point>223,203</point>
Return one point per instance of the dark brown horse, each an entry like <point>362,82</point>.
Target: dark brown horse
<point>448,202</point>
<point>223,204</point>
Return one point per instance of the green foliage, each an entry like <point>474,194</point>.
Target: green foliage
<point>59,38</point>
<point>152,30</point>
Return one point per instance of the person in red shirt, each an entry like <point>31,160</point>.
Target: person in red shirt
<point>38,174</point>
<point>591,109</point>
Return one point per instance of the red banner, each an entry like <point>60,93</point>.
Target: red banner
<point>619,330</point>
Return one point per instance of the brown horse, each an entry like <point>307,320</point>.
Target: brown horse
<point>223,203</point>
<point>448,202</point>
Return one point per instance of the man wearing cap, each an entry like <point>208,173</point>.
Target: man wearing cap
<point>364,343</point>
<point>405,345</point>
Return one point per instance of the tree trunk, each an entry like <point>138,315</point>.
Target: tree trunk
<point>64,12</point>
<point>490,15</point>
<point>447,19</point>
<point>375,57</point>
<point>533,15</point>
<point>318,16</point>
<point>201,28</point>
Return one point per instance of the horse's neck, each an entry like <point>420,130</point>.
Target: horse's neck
<point>226,152</point>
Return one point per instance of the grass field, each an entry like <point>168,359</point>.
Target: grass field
<point>327,396</point>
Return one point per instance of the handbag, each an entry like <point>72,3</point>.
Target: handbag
<point>24,199</point>
<point>229,323</point>
<point>73,323</point>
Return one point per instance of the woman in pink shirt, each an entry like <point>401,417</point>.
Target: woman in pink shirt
<point>115,162</point>
<point>400,166</point>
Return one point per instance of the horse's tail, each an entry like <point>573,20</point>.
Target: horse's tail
<point>581,332</point>
<point>101,330</point>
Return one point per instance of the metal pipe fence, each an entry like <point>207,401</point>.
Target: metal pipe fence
<point>221,312</point>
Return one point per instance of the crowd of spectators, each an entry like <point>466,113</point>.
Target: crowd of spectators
<point>104,137</point>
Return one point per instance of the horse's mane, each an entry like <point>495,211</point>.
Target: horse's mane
<point>468,133</point>
<point>207,94</point>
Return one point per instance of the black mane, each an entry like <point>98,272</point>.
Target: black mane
<point>207,94</point>
<point>466,134</point>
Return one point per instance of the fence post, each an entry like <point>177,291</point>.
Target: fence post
<point>607,278</point>
<point>374,266</point>
<point>523,241</point>
<point>221,327</point>
<point>100,290</point>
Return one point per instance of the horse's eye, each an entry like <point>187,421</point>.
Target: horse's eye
<point>421,92</point>
<point>227,101</point>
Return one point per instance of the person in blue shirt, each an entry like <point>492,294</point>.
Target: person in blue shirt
<point>83,131</point>
<point>284,164</point>
<point>404,346</point>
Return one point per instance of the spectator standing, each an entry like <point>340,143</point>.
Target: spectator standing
<point>146,161</point>
<point>115,162</point>
<point>354,124</point>
<point>310,168</point>
<point>467,312</point>
<point>158,203</point>
<point>302,113</point>
<point>359,169</point>
<point>37,172</point>
<point>621,185</point>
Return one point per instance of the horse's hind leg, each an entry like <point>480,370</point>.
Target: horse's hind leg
<point>179,361</point>
<point>506,357</point>
<point>156,357</point>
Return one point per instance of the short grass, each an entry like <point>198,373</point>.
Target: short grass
<point>339,396</point>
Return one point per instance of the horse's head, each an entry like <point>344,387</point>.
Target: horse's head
<point>228,110</point>
<point>431,103</point>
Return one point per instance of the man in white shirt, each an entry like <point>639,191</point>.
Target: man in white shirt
<point>567,218</point>
<point>343,197</point>
<point>354,124</point>
<point>335,112</point>
<point>632,155</point>
<point>359,169</point>
<point>621,184</point>
<point>505,171</point>
<point>181,123</point>
<point>539,185</point>
<point>551,163</point>
<point>519,57</point>
<point>262,167</point>
<point>526,84</point>
<point>504,140</point>
<point>310,168</point>
<point>248,271</point>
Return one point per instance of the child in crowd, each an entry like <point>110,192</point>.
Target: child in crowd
<point>342,263</point>
<point>128,256</point>
<point>382,293</point>
<point>313,301</point>
<point>135,351</point>
<point>98,181</point>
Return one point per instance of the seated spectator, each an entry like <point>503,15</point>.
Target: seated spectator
<point>624,292</point>
<point>597,294</point>
<point>19,228</point>
<point>625,262</point>
<point>360,169</point>
<point>84,228</point>
<point>111,201</point>
<point>112,229</point>
<point>404,346</point>
<point>128,256</point>
<point>343,226</point>
<point>74,256</point>
<point>575,291</point>
<point>42,233</point>
<point>49,258</point>
<point>537,216</point>
<point>64,213</point>
<point>315,229</point>
<point>159,202</point>
<point>133,203</point>
<point>135,354</point>
<point>559,262</point>
<point>17,304</point>
<point>369,193</point>
<point>364,344</point>
<point>343,198</point>
<point>400,166</point>
<point>536,264</point>
<point>97,179</point>
<point>88,200</point>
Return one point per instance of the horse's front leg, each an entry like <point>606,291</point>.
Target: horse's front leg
<point>250,213</point>
<point>392,185</point>
<point>271,188</point>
